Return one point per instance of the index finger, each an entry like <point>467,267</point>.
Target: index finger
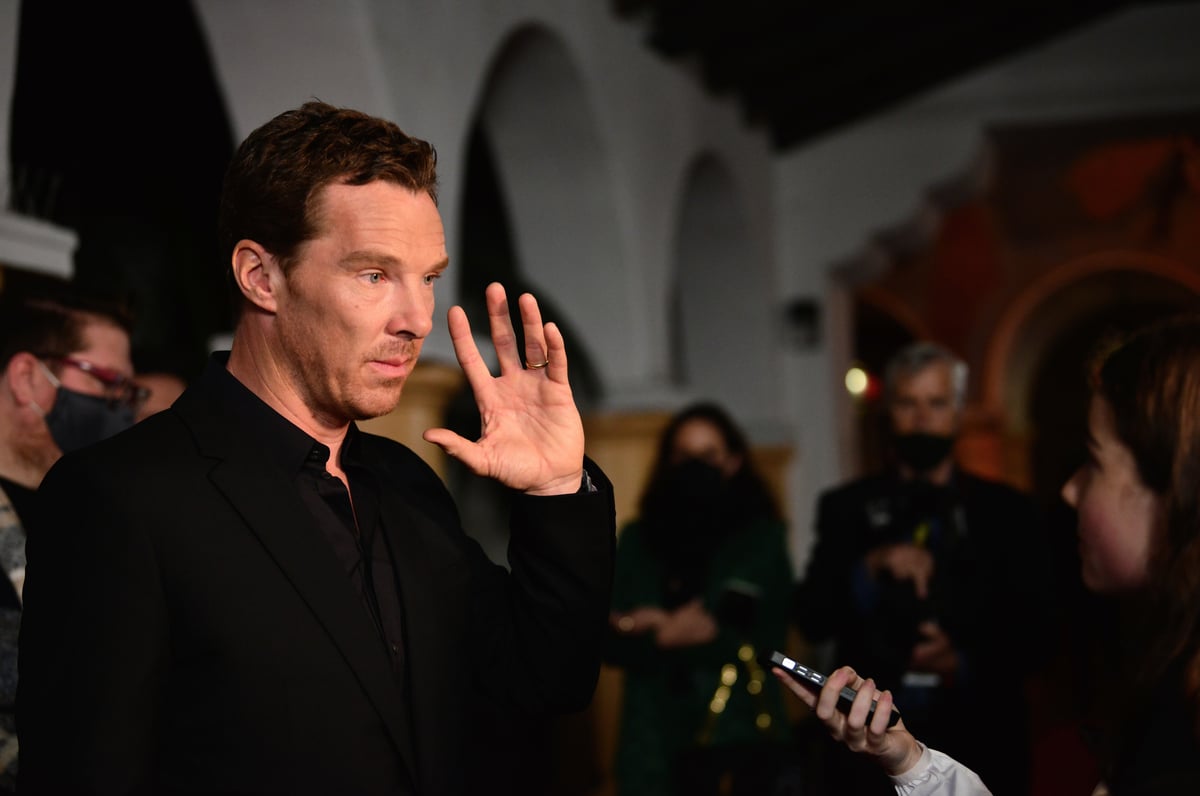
<point>465,350</point>
<point>832,690</point>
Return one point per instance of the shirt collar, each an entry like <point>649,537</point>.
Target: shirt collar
<point>280,440</point>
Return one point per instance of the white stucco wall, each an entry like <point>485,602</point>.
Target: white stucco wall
<point>428,65</point>
<point>8,76</point>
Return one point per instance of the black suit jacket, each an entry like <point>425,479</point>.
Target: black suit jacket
<point>187,627</point>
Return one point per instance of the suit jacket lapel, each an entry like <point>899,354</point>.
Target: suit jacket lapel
<point>261,494</point>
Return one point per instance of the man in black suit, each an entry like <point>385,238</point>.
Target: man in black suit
<point>245,593</point>
<point>933,582</point>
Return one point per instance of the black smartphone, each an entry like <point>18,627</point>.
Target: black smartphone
<point>813,681</point>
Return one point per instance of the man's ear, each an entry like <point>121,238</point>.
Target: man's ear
<point>257,274</point>
<point>23,376</point>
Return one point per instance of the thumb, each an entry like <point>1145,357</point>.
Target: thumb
<point>457,446</point>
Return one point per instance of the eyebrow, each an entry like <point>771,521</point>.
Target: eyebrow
<point>367,257</point>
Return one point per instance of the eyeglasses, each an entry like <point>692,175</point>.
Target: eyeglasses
<point>118,388</point>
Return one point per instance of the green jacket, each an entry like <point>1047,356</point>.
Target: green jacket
<point>667,693</point>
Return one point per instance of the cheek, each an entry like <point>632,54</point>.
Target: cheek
<point>1114,545</point>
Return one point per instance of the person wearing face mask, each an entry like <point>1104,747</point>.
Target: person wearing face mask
<point>1138,529</point>
<point>699,597</point>
<point>931,578</point>
<point>66,368</point>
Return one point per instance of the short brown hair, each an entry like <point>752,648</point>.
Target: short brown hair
<point>278,171</point>
<point>48,321</point>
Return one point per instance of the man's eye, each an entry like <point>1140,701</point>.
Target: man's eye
<point>374,278</point>
<point>431,278</point>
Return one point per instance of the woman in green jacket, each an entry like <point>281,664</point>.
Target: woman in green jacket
<point>700,598</point>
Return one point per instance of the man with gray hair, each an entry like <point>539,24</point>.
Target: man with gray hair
<point>920,574</point>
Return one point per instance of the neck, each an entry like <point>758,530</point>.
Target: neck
<point>250,363</point>
<point>25,459</point>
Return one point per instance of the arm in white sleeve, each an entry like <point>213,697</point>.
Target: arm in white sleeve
<point>938,774</point>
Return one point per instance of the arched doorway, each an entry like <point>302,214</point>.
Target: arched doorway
<point>1034,369</point>
<point>720,298</point>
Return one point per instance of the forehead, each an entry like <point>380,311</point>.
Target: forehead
<point>932,378</point>
<point>104,344</point>
<point>698,435</point>
<point>380,213</point>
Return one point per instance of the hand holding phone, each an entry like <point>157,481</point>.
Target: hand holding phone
<point>814,681</point>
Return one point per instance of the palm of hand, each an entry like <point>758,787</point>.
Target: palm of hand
<point>529,429</point>
<point>532,435</point>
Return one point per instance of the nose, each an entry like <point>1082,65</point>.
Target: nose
<point>923,417</point>
<point>1070,490</point>
<point>412,312</point>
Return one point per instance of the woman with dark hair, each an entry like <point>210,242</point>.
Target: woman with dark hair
<point>700,593</point>
<point>1137,497</point>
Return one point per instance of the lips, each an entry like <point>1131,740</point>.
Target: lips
<point>393,367</point>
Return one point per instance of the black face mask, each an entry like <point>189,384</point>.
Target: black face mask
<point>922,452</point>
<point>78,419</point>
<point>687,507</point>
<point>694,482</point>
<point>684,519</point>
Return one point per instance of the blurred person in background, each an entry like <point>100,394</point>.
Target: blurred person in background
<point>1138,515</point>
<point>66,383</point>
<point>700,596</point>
<point>934,579</point>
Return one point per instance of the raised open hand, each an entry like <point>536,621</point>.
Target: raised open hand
<point>532,436</point>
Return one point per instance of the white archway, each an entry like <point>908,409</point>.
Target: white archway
<point>723,305</point>
<point>555,174</point>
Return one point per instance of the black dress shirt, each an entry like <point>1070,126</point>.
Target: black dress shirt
<point>349,520</point>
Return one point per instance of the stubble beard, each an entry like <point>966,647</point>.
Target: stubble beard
<point>383,396</point>
<point>365,408</point>
<point>356,395</point>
